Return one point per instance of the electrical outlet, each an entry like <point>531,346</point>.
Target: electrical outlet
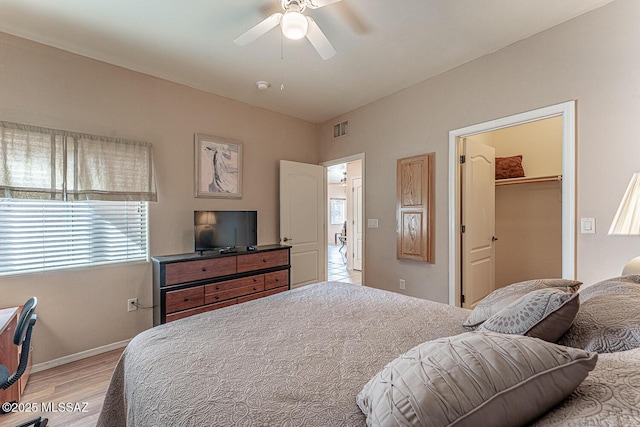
<point>132,304</point>
<point>401,283</point>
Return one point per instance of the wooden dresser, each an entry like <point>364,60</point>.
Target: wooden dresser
<point>10,354</point>
<point>188,284</point>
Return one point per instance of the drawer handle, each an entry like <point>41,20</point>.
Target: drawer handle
<point>204,268</point>
<point>255,280</point>
<point>264,260</point>
<point>277,280</point>
<point>255,289</point>
<point>217,297</point>
<point>186,299</point>
<point>217,288</point>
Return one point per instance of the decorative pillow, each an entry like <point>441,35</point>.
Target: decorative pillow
<point>609,317</point>
<point>509,167</point>
<point>502,297</point>
<point>545,314</point>
<point>474,379</point>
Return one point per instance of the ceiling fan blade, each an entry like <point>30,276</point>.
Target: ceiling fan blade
<point>314,4</point>
<point>319,40</point>
<point>259,30</point>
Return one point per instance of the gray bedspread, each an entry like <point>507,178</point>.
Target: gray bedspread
<point>292,359</point>
<point>299,358</point>
<point>609,396</point>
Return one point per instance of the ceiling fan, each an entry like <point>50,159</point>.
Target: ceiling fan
<point>294,26</point>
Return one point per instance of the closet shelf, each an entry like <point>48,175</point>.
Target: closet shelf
<point>528,180</point>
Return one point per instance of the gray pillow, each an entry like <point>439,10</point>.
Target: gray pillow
<point>545,314</point>
<point>474,379</point>
<point>502,297</point>
<point>609,317</point>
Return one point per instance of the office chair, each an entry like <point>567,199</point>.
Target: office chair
<point>22,336</point>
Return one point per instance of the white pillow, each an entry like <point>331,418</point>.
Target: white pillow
<point>474,379</point>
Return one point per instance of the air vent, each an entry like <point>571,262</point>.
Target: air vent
<point>340,129</point>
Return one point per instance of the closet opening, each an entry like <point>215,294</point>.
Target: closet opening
<point>517,224</point>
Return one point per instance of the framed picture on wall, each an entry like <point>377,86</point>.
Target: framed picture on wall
<point>338,210</point>
<point>218,167</point>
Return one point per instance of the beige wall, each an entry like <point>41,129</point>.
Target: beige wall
<point>592,59</point>
<point>529,231</point>
<point>539,143</point>
<point>83,309</point>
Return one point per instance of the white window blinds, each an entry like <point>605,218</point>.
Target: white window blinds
<point>41,163</point>
<point>39,235</point>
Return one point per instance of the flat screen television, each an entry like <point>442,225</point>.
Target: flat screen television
<point>225,229</point>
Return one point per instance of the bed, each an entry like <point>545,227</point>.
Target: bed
<point>305,357</point>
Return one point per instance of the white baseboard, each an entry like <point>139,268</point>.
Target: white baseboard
<point>78,356</point>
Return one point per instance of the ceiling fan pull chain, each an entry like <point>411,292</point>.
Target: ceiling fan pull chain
<point>281,62</point>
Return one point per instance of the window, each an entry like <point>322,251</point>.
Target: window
<point>70,200</point>
<point>337,209</point>
<point>48,235</point>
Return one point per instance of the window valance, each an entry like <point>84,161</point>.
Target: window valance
<point>42,163</point>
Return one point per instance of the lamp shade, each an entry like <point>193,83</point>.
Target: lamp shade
<point>205,218</point>
<point>294,25</point>
<point>627,219</point>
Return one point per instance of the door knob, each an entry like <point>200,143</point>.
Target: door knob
<point>494,238</point>
<point>286,239</point>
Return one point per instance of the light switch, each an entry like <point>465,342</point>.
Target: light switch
<point>372,223</point>
<point>588,225</point>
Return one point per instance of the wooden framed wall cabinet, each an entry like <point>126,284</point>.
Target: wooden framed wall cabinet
<point>415,208</point>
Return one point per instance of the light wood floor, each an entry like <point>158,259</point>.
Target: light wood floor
<point>83,381</point>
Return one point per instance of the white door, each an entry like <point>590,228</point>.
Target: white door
<point>478,221</point>
<point>357,223</point>
<point>302,195</point>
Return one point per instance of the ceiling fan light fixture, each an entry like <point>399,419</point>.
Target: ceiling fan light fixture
<point>294,25</point>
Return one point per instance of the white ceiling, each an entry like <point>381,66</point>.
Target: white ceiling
<point>383,45</point>
<point>336,172</point>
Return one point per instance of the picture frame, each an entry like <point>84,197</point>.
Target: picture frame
<point>338,211</point>
<point>218,167</point>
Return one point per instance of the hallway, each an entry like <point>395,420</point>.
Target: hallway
<point>338,267</point>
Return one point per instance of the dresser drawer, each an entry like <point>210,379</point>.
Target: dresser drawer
<point>184,299</point>
<point>261,294</point>
<point>205,308</point>
<point>276,279</point>
<point>232,293</point>
<point>235,283</point>
<point>182,272</point>
<point>262,260</point>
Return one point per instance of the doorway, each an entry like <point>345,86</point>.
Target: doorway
<point>513,216</point>
<point>345,216</point>
<point>566,114</point>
